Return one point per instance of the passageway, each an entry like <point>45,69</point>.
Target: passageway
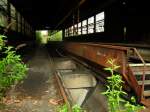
<point>34,94</point>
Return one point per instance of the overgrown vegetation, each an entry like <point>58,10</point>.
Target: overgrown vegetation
<point>75,108</point>
<point>12,69</point>
<point>114,92</point>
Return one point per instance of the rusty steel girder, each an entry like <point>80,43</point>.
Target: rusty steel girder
<point>100,54</point>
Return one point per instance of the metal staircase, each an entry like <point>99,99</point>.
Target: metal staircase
<point>133,68</point>
<point>142,74</point>
<point>140,70</point>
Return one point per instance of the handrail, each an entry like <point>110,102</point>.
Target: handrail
<point>143,77</point>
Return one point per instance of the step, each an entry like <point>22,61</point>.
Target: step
<point>147,93</point>
<point>141,72</point>
<point>138,64</point>
<point>146,82</point>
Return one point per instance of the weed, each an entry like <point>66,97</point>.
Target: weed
<point>12,69</point>
<point>75,108</point>
<point>114,92</point>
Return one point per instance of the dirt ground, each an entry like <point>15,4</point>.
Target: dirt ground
<point>38,92</point>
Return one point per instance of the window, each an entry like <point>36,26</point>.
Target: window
<point>3,20</point>
<point>19,22</point>
<point>67,32</point>
<point>79,28</point>
<point>75,30</point>
<point>100,22</point>
<point>13,11</point>
<point>26,25</point>
<point>13,17</point>
<point>3,4</point>
<point>84,27</point>
<point>71,31</point>
<point>91,25</point>
<point>22,25</point>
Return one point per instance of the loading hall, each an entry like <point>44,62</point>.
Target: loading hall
<point>66,45</point>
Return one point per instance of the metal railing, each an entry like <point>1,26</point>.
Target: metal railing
<point>144,66</point>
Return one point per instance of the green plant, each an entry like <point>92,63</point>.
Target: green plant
<point>63,108</point>
<point>114,92</point>
<point>12,69</point>
<point>75,108</point>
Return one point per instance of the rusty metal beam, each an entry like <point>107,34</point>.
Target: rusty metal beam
<point>100,54</point>
<point>63,93</point>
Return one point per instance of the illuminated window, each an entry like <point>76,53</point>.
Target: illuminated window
<point>13,17</point>
<point>91,25</point>
<point>3,4</point>
<point>3,20</point>
<point>66,32</point>
<point>25,30</point>
<point>22,25</point>
<point>100,22</point>
<point>71,31</point>
<point>84,27</point>
<point>79,28</point>
<point>13,11</point>
<point>75,32</point>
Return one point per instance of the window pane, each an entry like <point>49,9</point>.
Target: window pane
<point>13,11</point>
<point>84,27</point>
<point>100,22</point>
<point>75,30</point>
<point>19,22</point>
<point>22,25</point>
<point>13,17</point>
<point>3,20</point>
<point>71,31</point>
<point>3,4</point>
<point>91,25</point>
<point>79,28</point>
<point>66,32</point>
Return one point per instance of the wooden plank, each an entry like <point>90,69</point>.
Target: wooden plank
<point>147,93</point>
<point>146,82</point>
<point>141,73</point>
<point>138,64</point>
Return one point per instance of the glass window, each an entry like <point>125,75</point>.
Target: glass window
<point>13,11</point>
<point>79,28</point>
<point>13,17</point>
<point>100,22</point>
<point>75,30</point>
<point>3,4</point>
<point>66,32</point>
<point>71,31</point>
<point>22,25</point>
<point>3,20</point>
<point>84,27</point>
<point>19,22</point>
<point>91,25</point>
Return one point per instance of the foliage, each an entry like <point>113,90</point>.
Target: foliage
<point>11,67</point>
<point>56,36</point>
<point>63,108</point>
<point>114,92</point>
<point>75,108</point>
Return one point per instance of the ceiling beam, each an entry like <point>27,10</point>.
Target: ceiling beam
<point>70,12</point>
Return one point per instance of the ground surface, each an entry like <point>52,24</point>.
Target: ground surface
<point>37,92</point>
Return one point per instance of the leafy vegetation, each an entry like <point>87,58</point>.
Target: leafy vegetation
<point>75,108</point>
<point>56,36</point>
<point>12,69</point>
<point>114,92</point>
